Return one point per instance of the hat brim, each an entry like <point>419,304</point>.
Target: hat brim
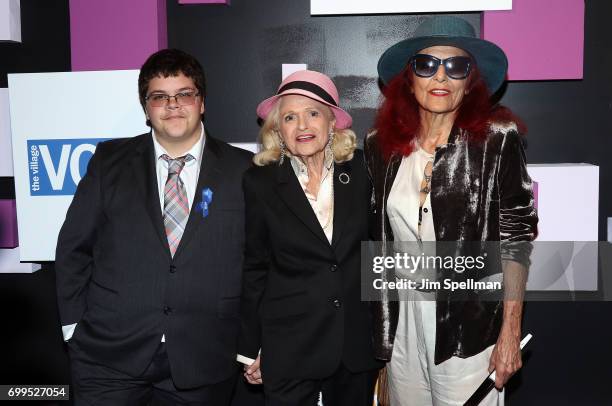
<point>490,59</point>
<point>343,119</point>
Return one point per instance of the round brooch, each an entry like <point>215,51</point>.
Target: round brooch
<point>344,178</point>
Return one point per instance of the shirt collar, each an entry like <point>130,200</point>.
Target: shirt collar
<point>195,151</point>
<point>299,167</point>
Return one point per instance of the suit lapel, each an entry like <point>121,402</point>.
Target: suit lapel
<point>291,192</point>
<point>145,177</point>
<point>209,176</point>
<point>343,198</point>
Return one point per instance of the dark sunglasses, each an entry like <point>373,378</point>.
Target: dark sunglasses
<point>425,66</point>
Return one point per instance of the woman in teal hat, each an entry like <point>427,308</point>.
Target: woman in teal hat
<point>448,166</point>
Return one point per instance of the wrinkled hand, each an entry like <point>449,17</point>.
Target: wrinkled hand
<point>252,372</point>
<point>506,357</point>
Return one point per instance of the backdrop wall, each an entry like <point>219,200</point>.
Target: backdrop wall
<point>243,46</point>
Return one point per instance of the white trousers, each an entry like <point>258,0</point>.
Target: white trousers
<point>414,379</point>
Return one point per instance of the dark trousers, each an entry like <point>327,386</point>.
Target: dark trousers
<point>95,384</point>
<point>343,388</point>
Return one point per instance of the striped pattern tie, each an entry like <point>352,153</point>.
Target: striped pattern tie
<point>176,205</point>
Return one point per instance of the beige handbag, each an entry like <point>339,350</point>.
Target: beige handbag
<point>382,388</point>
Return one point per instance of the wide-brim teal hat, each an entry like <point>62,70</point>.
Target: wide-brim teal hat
<point>491,61</point>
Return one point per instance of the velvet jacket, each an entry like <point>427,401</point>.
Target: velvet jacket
<point>480,191</point>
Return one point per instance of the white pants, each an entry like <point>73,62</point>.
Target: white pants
<point>414,379</point>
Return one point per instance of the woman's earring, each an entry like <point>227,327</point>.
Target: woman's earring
<point>330,139</point>
<point>283,151</point>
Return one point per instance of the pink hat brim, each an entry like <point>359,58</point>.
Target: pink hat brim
<point>343,119</point>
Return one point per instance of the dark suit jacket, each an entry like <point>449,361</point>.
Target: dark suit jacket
<point>116,278</point>
<point>301,296</point>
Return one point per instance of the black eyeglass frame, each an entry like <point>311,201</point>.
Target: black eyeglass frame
<point>438,61</point>
<point>177,97</point>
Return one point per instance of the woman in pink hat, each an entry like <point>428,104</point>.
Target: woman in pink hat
<point>307,202</point>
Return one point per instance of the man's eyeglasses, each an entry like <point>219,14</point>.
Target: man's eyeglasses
<point>425,66</point>
<point>162,99</point>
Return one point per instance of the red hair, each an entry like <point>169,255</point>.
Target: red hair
<point>398,121</point>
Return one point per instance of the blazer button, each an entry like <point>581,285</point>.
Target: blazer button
<point>167,310</point>
<point>425,210</point>
<point>172,269</point>
<point>333,268</point>
<point>337,303</point>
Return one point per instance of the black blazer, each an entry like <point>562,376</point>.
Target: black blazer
<point>301,300</point>
<point>116,278</point>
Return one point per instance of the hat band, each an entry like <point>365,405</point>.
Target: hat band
<point>309,87</point>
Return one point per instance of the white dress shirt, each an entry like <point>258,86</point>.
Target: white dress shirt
<point>189,176</point>
<point>323,203</point>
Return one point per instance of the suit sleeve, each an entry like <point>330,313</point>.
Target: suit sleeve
<point>518,218</point>
<point>256,267</point>
<point>74,251</point>
<point>369,151</point>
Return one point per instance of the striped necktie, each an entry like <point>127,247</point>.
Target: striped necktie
<point>176,204</point>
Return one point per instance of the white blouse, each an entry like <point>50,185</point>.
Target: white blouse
<point>323,203</point>
<point>403,206</point>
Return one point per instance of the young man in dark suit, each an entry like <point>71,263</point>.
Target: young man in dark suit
<point>148,260</point>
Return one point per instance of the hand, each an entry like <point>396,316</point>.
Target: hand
<point>506,357</point>
<point>252,373</point>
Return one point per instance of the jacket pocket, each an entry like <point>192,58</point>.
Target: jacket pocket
<point>101,296</point>
<point>287,306</point>
<point>228,307</point>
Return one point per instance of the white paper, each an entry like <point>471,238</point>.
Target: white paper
<point>289,68</point>
<point>249,146</point>
<point>322,7</point>
<point>85,106</point>
<point>9,262</point>
<point>10,20</point>
<point>6,152</point>
<point>570,216</point>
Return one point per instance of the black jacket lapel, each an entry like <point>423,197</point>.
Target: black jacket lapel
<point>145,176</point>
<point>209,176</point>
<point>291,192</point>
<point>343,198</point>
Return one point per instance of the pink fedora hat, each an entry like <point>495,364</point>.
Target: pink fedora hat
<point>314,85</point>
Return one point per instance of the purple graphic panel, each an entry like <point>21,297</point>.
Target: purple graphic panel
<point>8,224</point>
<point>204,1</point>
<point>115,34</point>
<point>544,39</point>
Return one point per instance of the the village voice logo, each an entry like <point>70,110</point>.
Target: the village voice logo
<point>57,166</point>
